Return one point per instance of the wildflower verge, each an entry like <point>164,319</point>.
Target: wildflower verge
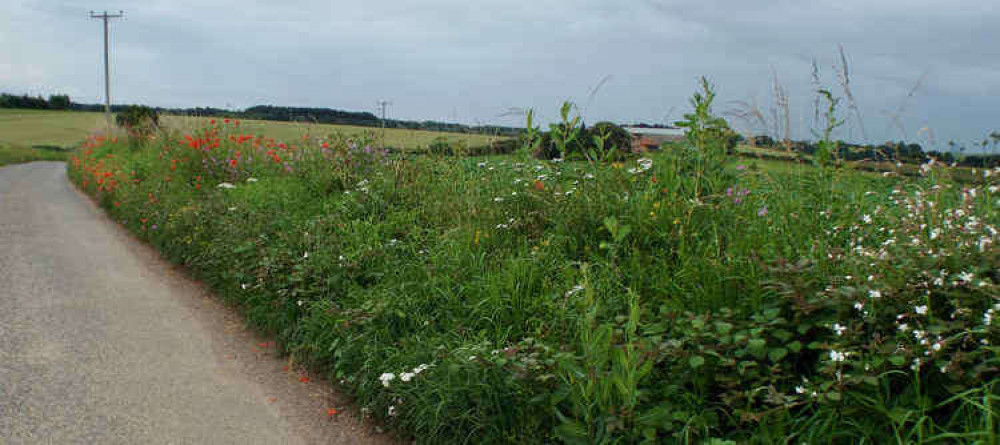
<point>670,298</point>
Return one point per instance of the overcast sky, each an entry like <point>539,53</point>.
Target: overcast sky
<point>472,60</point>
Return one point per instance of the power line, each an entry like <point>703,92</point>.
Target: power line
<point>107,71</point>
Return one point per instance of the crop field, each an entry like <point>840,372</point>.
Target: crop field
<point>402,139</point>
<point>32,135</point>
<point>686,296</point>
<point>35,135</point>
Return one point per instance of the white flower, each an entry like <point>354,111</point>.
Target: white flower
<point>251,179</point>
<point>574,290</point>
<point>225,185</point>
<point>921,310</point>
<point>903,327</point>
<point>588,176</point>
<point>859,306</point>
<point>300,302</point>
<point>837,356</point>
<point>839,328</point>
<point>866,219</point>
<point>243,285</point>
<point>407,376</point>
<point>800,390</point>
<point>874,294</point>
<point>392,410</point>
<point>472,358</point>
<point>423,367</point>
<point>387,377</point>
<point>498,199</point>
<point>965,277</point>
<point>305,255</point>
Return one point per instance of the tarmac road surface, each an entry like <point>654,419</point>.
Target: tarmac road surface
<point>102,342</point>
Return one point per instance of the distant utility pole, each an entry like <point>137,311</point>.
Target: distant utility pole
<point>383,104</point>
<point>107,71</point>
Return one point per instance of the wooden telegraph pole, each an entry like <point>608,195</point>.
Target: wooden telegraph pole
<point>107,71</point>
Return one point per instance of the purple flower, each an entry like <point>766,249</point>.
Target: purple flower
<point>744,192</point>
<point>729,191</point>
<point>741,167</point>
<point>737,200</point>
<point>762,212</point>
<point>154,227</point>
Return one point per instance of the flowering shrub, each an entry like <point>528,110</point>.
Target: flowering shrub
<point>508,299</point>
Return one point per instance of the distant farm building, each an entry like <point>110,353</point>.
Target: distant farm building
<point>644,139</point>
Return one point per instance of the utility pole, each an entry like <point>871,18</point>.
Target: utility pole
<point>383,104</point>
<point>107,71</point>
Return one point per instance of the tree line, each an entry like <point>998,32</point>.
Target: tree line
<point>891,151</point>
<point>263,112</point>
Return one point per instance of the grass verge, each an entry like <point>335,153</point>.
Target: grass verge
<point>671,298</point>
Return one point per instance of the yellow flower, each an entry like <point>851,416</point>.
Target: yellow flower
<point>677,220</point>
<point>656,205</point>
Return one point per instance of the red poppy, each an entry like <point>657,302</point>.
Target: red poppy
<point>331,412</point>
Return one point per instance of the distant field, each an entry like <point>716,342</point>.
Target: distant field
<point>398,138</point>
<point>39,135</point>
<point>26,128</point>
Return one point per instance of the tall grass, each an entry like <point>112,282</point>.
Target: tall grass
<point>685,296</point>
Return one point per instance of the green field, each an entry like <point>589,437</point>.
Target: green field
<point>406,140</point>
<point>27,128</point>
<point>35,135</point>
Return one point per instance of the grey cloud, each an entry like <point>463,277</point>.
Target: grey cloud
<point>471,61</point>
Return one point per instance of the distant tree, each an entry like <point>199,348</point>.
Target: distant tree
<point>59,101</point>
<point>140,121</point>
<point>763,141</point>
